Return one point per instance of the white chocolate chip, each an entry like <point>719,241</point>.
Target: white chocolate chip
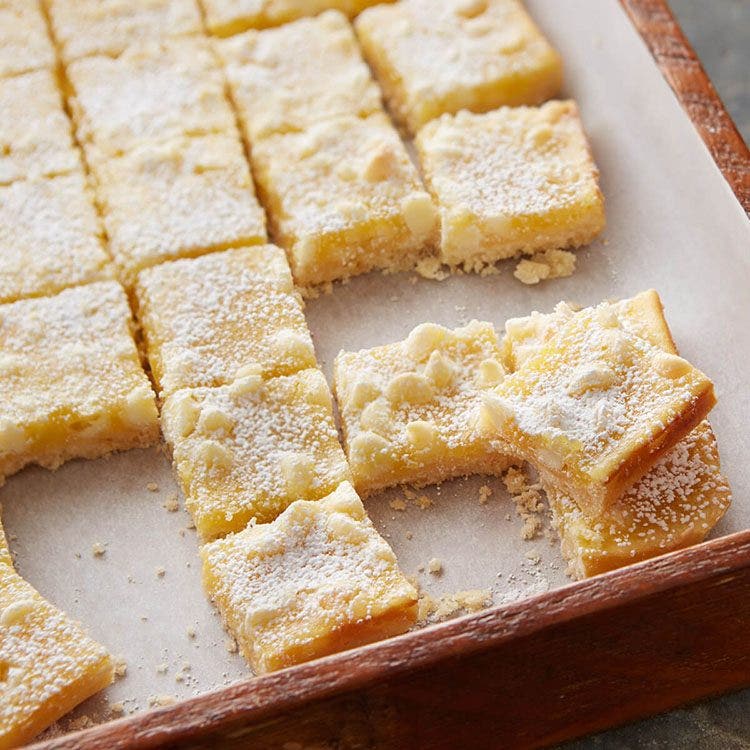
<point>670,365</point>
<point>15,613</point>
<point>420,214</point>
<point>490,373</point>
<point>422,434</point>
<point>298,470</point>
<point>409,387</point>
<point>214,455</point>
<point>591,378</point>
<point>439,370</point>
<point>363,393</point>
<point>424,339</point>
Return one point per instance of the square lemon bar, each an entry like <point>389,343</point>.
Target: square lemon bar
<point>343,198</point>
<point>152,91</point>
<point>516,180</point>
<point>71,382</point>
<point>436,57</point>
<point>277,92</point>
<point>35,133</point>
<point>410,410</point>
<point>230,17</point>
<point>108,27</point>
<point>177,198</point>
<point>207,319</point>
<point>24,40</point>
<point>596,407</point>
<point>50,237</point>
<point>318,580</point>
<point>48,664</point>
<point>674,505</point>
<point>249,449</point>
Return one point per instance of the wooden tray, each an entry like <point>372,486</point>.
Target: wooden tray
<point>581,658</point>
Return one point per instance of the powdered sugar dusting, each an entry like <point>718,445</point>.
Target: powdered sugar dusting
<point>50,237</point>
<point>205,318</point>
<point>276,91</point>
<point>271,443</point>
<point>318,568</point>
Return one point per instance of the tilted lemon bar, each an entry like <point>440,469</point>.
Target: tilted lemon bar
<point>230,17</point>
<point>50,237</point>
<point>249,449</point>
<point>596,407</point>
<point>24,40</point>
<point>436,57</point>
<point>35,132</point>
<point>48,664</point>
<point>152,91</point>
<point>674,505</point>
<point>318,580</point>
<point>71,382</point>
<point>516,180</point>
<point>107,27</point>
<point>177,198</point>
<point>409,410</point>
<point>207,319</point>
<point>276,91</point>
<point>343,198</point>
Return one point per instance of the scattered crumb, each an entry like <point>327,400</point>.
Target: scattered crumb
<point>172,504</point>
<point>485,492</point>
<point>191,632</point>
<point>528,499</point>
<point>160,572</point>
<point>435,566</point>
<point>117,708</point>
<point>81,722</point>
<point>549,264</point>
<point>534,557</point>
<point>313,292</point>
<point>97,549</point>
<point>121,667</point>
<point>230,645</point>
<point>430,609</point>
<point>409,535</point>
<point>432,268</point>
<point>162,668</point>
<point>397,504</point>
<point>531,272</point>
<point>423,502</point>
<point>152,487</point>
<point>161,700</point>
<point>426,605</point>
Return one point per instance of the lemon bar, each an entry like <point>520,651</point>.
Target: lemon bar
<point>177,198</point>
<point>435,58</point>
<point>24,40</point>
<point>248,449</point>
<point>596,407</point>
<point>107,27</point>
<point>71,382</point>
<point>230,17</point>
<point>48,664</point>
<point>318,580</point>
<point>35,133</point>
<point>276,91</point>
<point>50,237</point>
<point>153,91</point>
<point>344,198</point>
<point>206,319</point>
<point>409,410</point>
<point>517,180</point>
<point>674,505</point>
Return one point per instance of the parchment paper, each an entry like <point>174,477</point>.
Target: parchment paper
<point>673,225</point>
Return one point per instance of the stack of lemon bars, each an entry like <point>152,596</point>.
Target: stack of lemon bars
<point>146,149</point>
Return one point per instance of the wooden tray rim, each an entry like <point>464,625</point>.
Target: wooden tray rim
<point>259,698</point>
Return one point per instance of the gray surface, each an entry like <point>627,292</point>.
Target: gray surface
<point>720,33</point>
